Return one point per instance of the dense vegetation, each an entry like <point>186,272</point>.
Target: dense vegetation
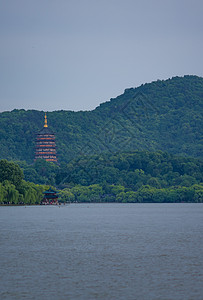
<point>134,148</point>
<point>138,176</point>
<point>162,115</point>
<point>15,190</point>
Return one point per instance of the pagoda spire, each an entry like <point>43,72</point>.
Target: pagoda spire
<point>45,120</point>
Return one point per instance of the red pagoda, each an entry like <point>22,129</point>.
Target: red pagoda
<point>45,144</point>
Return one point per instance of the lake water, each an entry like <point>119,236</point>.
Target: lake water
<point>102,251</point>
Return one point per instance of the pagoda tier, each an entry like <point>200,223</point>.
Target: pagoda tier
<point>45,146</point>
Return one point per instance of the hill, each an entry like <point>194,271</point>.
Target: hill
<point>162,115</point>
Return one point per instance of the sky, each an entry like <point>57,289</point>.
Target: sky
<point>76,54</point>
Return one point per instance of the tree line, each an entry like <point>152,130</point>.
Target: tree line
<point>145,194</point>
<point>138,176</point>
<point>14,190</point>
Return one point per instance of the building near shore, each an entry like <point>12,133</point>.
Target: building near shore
<point>50,197</point>
<point>45,146</point>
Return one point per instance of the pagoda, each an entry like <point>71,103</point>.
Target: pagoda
<point>45,147</point>
<point>50,197</point>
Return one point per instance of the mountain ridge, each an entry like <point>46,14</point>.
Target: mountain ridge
<point>163,115</point>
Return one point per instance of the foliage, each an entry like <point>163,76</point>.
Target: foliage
<point>131,170</point>
<point>146,194</point>
<point>15,190</point>
<point>139,176</point>
<point>10,171</point>
<point>162,115</point>
<point>41,171</point>
<point>136,177</point>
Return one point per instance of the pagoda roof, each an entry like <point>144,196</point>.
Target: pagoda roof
<point>50,191</point>
<point>45,130</point>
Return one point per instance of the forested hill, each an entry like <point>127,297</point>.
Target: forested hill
<point>162,115</point>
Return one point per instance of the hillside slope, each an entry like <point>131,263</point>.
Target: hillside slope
<point>162,115</point>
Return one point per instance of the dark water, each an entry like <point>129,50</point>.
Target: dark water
<point>102,251</point>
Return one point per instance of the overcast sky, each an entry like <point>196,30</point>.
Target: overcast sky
<point>76,54</point>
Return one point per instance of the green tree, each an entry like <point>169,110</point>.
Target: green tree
<point>11,172</point>
<point>2,193</point>
<point>11,195</point>
<point>121,197</point>
<point>65,195</point>
<point>132,196</point>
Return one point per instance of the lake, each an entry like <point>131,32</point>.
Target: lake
<point>102,251</point>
